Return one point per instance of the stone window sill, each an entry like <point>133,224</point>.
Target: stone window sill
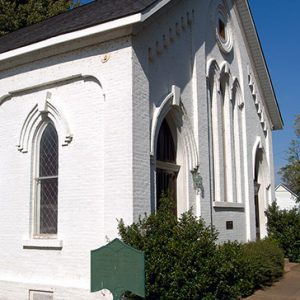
<point>228,205</point>
<point>43,243</point>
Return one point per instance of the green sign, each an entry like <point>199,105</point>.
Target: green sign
<point>118,268</point>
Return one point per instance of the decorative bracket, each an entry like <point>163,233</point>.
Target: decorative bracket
<point>198,181</point>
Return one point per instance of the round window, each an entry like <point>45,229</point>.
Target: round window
<point>223,30</point>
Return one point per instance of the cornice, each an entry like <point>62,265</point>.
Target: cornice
<point>259,63</point>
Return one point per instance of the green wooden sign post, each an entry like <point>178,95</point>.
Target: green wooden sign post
<point>118,268</point>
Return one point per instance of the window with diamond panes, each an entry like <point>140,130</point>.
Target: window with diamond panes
<point>48,181</point>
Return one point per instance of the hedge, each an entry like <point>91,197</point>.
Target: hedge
<point>184,260</point>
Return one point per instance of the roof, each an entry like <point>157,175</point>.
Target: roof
<point>286,188</point>
<point>94,13</point>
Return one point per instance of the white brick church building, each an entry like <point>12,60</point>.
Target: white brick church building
<point>104,107</point>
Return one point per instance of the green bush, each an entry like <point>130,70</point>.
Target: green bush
<point>183,260</point>
<point>178,253</point>
<point>284,227</point>
<point>243,268</point>
<point>265,261</point>
<point>230,271</point>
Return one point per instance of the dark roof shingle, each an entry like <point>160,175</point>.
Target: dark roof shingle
<point>94,13</point>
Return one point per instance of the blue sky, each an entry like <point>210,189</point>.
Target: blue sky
<point>278,26</point>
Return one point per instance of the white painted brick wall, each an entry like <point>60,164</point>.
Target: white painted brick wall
<point>95,169</point>
<point>175,65</point>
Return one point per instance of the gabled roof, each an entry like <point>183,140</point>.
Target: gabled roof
<point>286,188</point>
<point>94,13</point>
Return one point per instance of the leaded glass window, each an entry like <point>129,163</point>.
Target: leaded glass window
<point>47,181</point>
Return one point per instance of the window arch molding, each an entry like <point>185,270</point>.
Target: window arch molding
<point>258,146</point>
<point>178,116</point>
<point>172,111</point>
<point>213,74</point>
<point>236,93</point>
<point>226,130</point>
<point>36,117</point>
<point>43,114</point>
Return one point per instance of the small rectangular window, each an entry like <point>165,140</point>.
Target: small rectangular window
<point>229,225</point>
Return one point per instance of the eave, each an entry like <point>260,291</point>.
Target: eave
<point>259,63</point>
<point>102,28</point>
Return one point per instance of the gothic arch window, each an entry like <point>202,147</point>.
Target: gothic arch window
<point>226,133</point>
<point>228,144</point>
<point>46,181</point>
<point>261,177</point>
<point>235,146</point>
<point>166,167</point>
<point>222,111</point>
<point>223,136</point>
<point>238,144</point>
<point>217,133</point>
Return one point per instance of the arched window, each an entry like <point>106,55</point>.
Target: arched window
<point>262,180</point>
<point>238,146</point>
<point>166,168</point>
<point>217,133</point>
<point>47,181</point>
<point>227,142</point>
<point>224,118</point>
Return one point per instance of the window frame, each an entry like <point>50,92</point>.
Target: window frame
<point>36,181</point>
<point>167,166</point>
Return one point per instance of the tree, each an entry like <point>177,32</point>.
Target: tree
<point>290,173</point>
<point>15,14</point>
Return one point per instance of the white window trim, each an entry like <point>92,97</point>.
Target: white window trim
<point>228,205</point>
<point>39,293</point>
<point>36,186</point>
<point>42,243</point>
